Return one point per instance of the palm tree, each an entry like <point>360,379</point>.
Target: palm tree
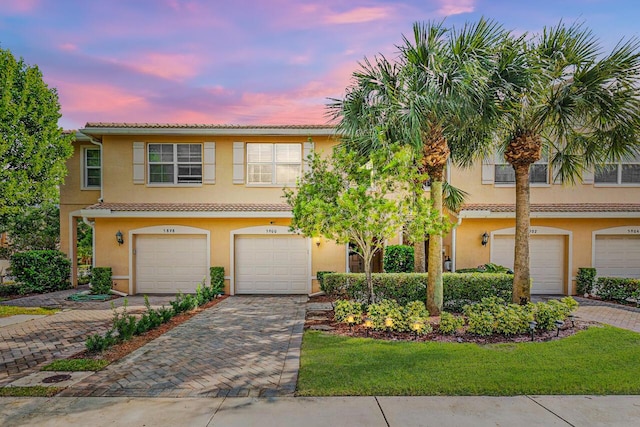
<point>426,99</point>
<point>560,96</point>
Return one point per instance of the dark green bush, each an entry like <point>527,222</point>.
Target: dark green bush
<point>101,283</point>
<point>617,288</point>
<point>398,259</point>
<point>217,280</point>
<point>8,290</point>
<point>459,289</point>
<point>41,271</point>
<point>320,276</point>
<point>97,343</point>
<point>486,268</point>
<point>585,280</point>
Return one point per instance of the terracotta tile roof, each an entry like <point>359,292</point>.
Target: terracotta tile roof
<point>200,126</point>
<point>558,207</point>
<point>191,207</point>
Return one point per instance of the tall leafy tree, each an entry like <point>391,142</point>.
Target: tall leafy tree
<point>433,98</point>
<point>33,149</point>
<point>563,97</point>
<point>349,198</point>
<point>33,228</point>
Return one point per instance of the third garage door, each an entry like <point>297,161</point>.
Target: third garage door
<point>617,256</point>
<point>546,260</point>
<point>271,265</point>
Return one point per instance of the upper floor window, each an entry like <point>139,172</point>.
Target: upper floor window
<point>273,163</point>
<point>625,172</point>
<point>175,163</point>
<point>538,173</point>
<point>91,167</point>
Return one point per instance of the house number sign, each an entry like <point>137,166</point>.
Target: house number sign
<point>168,230</point>
<point>271,231</point>
<point>634,230</point>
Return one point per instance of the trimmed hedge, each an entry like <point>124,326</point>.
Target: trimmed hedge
<point>217,279</point>
<point>8,290</point>
<point>585,280</point>
<point>101,280</point>
<point>41,271</point>
<point>617,288</point>
<point>320,277</point>
<point>459,288</point>
<point>398,259</point>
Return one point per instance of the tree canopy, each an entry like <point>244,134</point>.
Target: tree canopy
<point>33,149</point>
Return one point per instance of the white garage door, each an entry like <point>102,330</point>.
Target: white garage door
<point>617,256</point>
<point>271,265</point>
<point>168,264</point>
<point>546,263</point>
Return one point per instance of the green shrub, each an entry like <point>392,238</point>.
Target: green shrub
<point>416,313</point>
<point>379,312</point>
<point>616,288</point>
<point>183,303</point>
<point>585,280</point>
<point>486,268</point>
<point>460,289</point>
<point>449,323</point>
<point>344,308</point>
<point>8,290</point>
<point>97,343</point>
<point>320,276</point>
<point>101,283</point>
<point>217,280</point>
<point>123,322</point>
<point>41,271</point>
<point>398,259</point>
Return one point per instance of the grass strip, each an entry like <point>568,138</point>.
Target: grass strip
<point>599,360</point>
<point>33,391</point>
<point>75,365</point>
<point>10,310</point>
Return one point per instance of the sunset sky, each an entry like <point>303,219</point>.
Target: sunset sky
<point>243,61</point>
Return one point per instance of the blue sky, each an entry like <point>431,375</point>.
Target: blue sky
<point>243,61</point>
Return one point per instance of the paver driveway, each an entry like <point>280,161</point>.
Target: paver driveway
<point>243,346</point>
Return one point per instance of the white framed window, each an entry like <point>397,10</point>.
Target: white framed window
<point>91,168</point>
<point>174,164</point>
<point>538,173</point>
<point>273,164</point>
<point>626,172</point>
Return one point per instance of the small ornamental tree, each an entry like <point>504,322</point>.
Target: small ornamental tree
<point>33,149</point>
<point>364,200</point>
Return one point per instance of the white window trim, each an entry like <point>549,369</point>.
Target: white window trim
<point>84,168</point>
<point>274,164</point>
<point>618,182</point>
<point>532,184</point>
<point>175,163</point>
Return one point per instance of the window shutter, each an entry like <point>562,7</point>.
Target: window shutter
<point>138,162</point>
<point>308,148</point>
<point>488,171</point>
<point>238,162</point>
<point>209,164</point>
<point>588,176</point>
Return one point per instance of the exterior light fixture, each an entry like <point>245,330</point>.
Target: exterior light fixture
<point>559,324</point>
<point>368,324</point>
<point>119,238</point>
<point>351,319</point>
<point>316,240</point>
<point>388,323</point>
<point>572,317</point>
<point>417,327</point>
<point>532,327</point>
<point>485,239</point>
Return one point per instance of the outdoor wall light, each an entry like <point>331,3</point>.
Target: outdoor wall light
<point>485,239</point>
<point>119,238</point>
<point>316,240</point>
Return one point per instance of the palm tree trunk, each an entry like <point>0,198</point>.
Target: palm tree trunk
<point>434,278</point>
<point>521,277</point>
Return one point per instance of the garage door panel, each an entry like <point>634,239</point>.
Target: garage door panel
<point>269,264</point>
<point>546,264</point>
<point>169,264</point>
<point>617,256</point>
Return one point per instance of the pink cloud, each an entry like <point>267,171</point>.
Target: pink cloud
<point>21,6</point>
<point>358,15</point>
<point>169,66</point>
<point>68,47</point>
<point>456,7</point>
<point>96,99</point>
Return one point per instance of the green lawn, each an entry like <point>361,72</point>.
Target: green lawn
<point>600,360</point>
<point>74,365</point>
<point>9,310</point>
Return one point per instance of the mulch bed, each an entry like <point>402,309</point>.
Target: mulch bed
<point>118,351</point>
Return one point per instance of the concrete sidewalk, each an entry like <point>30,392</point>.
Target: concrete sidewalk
<point>324,411</point>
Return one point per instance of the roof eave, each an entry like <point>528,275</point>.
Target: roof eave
<point>98,131</point>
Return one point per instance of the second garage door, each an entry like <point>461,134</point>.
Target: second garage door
<point>617,256</point>
<point>271,265</point>
<point>546,261</point>
<point>169,264</point>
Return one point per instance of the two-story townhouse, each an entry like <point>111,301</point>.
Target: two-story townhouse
<point>594,223</point>
<point>167,202</point>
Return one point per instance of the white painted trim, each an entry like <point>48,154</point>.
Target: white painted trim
<point>99,131</point>
<point>167,230</point>
<point>107,213</point>
<point>120,277</point>
<point>625,230</point>
<point>541,231</point>
<point>489,214</point>
<point>71,243</point>
<point>261,230</point>
<point>83,166</point>
<point>346,258</point>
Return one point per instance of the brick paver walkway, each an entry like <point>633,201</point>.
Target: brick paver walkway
<point>243,346</point>
<point>612,314</point>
